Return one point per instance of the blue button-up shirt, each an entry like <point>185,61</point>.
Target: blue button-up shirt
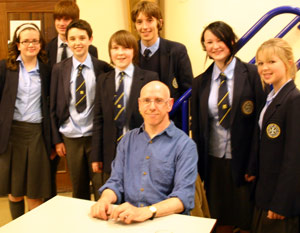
<point>28,101</point>
<point>147,171</point>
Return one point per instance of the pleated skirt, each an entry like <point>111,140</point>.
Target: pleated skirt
<point>25,165</point>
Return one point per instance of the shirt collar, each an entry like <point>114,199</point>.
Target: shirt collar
<point>88,62</point>
<point>128,71</point>
<point>152,48</point>
<point>169,131</point>
<point>272,94</point>
<point>229,71</point>
<point>59,42</point>
<point>35,69</point>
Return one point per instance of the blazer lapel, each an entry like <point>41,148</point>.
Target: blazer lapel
<point>277,101</point>
<point>204,97</point>
<point>66,68</point>
<point>164,57</point>
<point>109,87</point>
<point>13,84</point>
<point>137,81</point>
<point>240,76</point>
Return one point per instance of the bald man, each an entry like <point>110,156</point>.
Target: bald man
<point>155,168</point>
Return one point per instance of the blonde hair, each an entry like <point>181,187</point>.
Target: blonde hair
<point>281,49</point>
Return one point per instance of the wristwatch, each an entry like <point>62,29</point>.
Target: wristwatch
<point>153,209</point>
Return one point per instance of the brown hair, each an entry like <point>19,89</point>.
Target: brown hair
<point>125,39</point>
<point>66,9</point>
<point>150,9</point>
<point>281,49</point>
<point>13,51</point>
<point>224,33</point>
<point>80,24</point>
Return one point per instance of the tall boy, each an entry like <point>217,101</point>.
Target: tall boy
<point>73,83</point>
<point>64,13</point>
<point>116,111</point>
<point>168,58</point>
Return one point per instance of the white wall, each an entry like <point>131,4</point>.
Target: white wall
<point>185,20</point>
<point>106,17</point>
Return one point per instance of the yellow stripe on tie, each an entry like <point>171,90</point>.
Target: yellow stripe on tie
<point>223,98</point>
<point>119,98</point>
<point>121,110</point>
<point>220,121</point>
<point>82,98</point>
<point>80,85</point>
<point>120,137</point>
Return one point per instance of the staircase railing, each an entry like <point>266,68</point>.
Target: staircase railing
<point>183,101</point>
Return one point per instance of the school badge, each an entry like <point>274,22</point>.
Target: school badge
<point>248,107</point>
<point>273,130</point>
<point>174,83</point>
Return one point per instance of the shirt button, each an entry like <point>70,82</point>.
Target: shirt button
<point>142,190</point>
<point>141,205</point>
<point>150,142</point>
<point>147,157</point>
<point>144,173</point>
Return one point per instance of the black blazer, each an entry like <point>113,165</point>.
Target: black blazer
<point>9,81</point>
<point>104,139</point>
<point>60,92</point>
<point>51,49</point>
<point>278,158</point>
<point>248,96</point>
<point>174,64</point>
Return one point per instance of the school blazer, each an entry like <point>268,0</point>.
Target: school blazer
<point>278,157</point>
<point>51,49</point>
<point>9,81</point>
<point>104,140</point>
<point>60,92</point>
<point>248,96</point>
<point>175,67</point>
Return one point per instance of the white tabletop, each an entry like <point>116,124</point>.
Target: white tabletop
<point>71,215</point>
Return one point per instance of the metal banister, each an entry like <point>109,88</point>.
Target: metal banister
<point>183,100</point>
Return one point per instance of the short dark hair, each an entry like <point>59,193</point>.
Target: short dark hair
<point>125,39</point>
<point>66,9</point>
<point>80,24</point>
<point>225,33</point>
<point>150,9</point>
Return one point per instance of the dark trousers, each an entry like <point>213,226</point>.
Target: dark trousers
<point>79,163</point>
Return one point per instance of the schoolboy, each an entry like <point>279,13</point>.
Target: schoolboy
<point>64,13</point>
<point>168,58</point>
<point>73,83</point>
<point>115,113</point>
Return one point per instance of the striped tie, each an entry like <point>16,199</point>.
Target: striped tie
<point>223,103</point>
<point>119,107</point>
<point>80,91</point>
<point>64,52</point>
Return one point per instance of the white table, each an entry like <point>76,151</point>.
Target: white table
<point>71,215</point>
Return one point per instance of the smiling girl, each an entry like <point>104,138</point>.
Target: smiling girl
<point>222,127</point>
<point>24,121</point>
<point>277,196</point>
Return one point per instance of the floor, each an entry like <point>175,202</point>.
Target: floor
<point>4,209</point>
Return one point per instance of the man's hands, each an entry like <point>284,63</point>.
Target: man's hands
<point>97,167</point>
<point>125,212</point>
<point>273,215</point>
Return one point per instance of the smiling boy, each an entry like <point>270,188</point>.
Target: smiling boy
<point>64,13</point>
<point>73,85</point>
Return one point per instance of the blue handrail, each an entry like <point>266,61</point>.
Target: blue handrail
<point>183,100</point>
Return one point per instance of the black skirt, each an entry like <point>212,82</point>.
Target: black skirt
<point>228,203</point>
<point>25,165</point>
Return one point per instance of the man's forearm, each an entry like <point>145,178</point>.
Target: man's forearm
<point>169,206</point>
<point>109,195</point>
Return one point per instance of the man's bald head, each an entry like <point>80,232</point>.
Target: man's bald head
<point>156,86</point>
